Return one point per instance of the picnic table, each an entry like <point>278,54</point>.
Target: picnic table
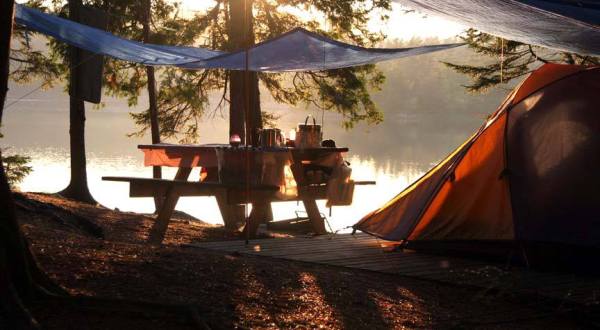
<point>230,196</point>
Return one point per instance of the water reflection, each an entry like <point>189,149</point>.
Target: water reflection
<point>51,173</point>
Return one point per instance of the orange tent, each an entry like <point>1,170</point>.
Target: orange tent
<point>531,173</point>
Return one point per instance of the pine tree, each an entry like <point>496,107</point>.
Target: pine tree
<point>16,168</point>
<point>20,276</point>
<point>232,25</point>
<point>121,79</point>
<point>183,96</point>
<point>508,60</point>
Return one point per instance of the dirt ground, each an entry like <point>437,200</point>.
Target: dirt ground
<point>109,257</point>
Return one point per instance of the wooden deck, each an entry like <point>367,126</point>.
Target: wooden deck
<point>365,252</point>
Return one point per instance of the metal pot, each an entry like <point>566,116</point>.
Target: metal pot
<point>307,135</point>
<point>270,137</point>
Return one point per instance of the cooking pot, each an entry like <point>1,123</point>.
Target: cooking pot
<point>308,135</point>
<point>270,137</point>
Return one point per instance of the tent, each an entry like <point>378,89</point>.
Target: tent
<point>571,26</point>
<point>531,173</point>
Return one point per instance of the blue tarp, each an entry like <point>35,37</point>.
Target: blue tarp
<point>302,50</point>
<point>571,26</point>
<point>297,50</point>
<point>102,42</point>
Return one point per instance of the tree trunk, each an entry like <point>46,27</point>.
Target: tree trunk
<point>16,283</point>
<point>78,187</point>
<point>154,128</point>
<point>6,24</point>
<point>254,115</point>
<point>244,112</point>
<point>15,278</point>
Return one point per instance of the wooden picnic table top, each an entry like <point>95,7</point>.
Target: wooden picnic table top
<point>229,196</point>
<point>206,147</point>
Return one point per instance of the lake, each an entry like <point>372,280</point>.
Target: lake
<point>427,115</point>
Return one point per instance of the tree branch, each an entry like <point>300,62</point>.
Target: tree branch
<point>19,60</point>
<point>535,55</point>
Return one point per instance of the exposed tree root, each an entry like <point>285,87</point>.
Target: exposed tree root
<point>56,213</point>
<point>78,194</point>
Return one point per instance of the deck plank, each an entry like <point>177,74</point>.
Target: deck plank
<point>365,252</point>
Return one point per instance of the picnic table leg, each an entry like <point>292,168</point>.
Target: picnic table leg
<point>158,199</point>
<point>312,210</point>
<point>233,215</point>
<point>260,211</point>
<point>157,233</point>
<point>268,213</point>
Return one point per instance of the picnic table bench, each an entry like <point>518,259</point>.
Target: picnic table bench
<point>230,196</point>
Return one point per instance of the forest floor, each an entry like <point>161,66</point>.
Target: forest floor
<point>94,251</point>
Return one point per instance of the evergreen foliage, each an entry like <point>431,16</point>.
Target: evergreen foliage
<point>16,168</point>
<point>509,60</point>
<point>186,96</point>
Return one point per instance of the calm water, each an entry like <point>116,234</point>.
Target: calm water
<point>427,114</point>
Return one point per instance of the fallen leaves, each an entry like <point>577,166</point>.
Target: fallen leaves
<point>230,290</point>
